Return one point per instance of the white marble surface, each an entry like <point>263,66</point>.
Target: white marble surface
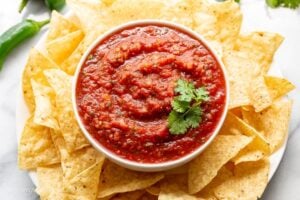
<point>16,184</point>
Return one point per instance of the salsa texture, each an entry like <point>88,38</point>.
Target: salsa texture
<point>126,85</point>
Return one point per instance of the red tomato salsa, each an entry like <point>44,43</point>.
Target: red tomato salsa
<point>126,85</point>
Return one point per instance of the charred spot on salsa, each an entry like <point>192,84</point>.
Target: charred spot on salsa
<point>137,83</point>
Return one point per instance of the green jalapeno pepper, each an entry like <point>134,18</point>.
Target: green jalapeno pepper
<point>55,4</point>
<point>51,4</point>
<point>22,5</point>
<point>16,35</point>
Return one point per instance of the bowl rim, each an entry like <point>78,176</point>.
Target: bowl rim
<point>133,165</point>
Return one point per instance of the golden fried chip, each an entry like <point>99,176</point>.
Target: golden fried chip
<point>248,182</point>
<point>260,47</point>
<point>154,189</point>
<point>175,188</point>
<point>208,191</point>
<point>90,14</point>
<point>36,64</point>
<point>72,17</point>
<point>135,195</point>
<point>59,27</point>
<point>115,179</point>
<point>62,84</point>
<point>240,70</point>
<point>70,64</point>
<point>278,87</point>
<point>36,148</point>
<point>178,170</point>
<point>61,48</point>
<point>75,162</point>
<point>179,12</point>
<point>85,184</point>
<point>259,94</point>
<point>50,182</point>
<point>272,122</point>
<point>147,196</point>
<point>228,23</point>
<point>93,16</point>
<point>44,111</point>
<point>236,126</point>
<point>219,21</point>
<point>206,166</point>
<point>250,153</point>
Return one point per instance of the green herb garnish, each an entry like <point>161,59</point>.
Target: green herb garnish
<point>186,111</point>
<point>283,3</point>
<point>293,4</point>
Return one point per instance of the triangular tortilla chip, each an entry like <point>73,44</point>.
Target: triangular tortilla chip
<point>206,166</point>
<point>62,84</point>
<point>36,64</point>
<point>44,112</point>
<point>115,179</point>
<point>36,148</point>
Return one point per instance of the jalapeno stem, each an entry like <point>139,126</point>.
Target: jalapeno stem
<point>42,23</point>
<point>22,5</point>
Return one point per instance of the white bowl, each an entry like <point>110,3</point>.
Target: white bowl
<point>148,167</point>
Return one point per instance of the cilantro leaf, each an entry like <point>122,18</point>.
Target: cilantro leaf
<point>177,124</point>
<point>186,111</point>
<point>180,106</point>
<point>201,94</point>
<point>186,90</point>
<point>193,117</point>
<point>284,3</point>
<point>290,3</point>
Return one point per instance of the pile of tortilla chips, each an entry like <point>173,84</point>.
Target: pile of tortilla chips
<point>234,166</point>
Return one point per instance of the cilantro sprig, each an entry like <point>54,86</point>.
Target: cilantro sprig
<point>186,111</point>
<point>293,4</point>
<point>284,3</point>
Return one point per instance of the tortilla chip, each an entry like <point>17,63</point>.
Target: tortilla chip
<point>175,188</point>
<point>72,17</point>
<point>36,148</point>
<point>259,94</point>
<point>115,179</point>
<point>208,191</point>
<point>240,70</point>
<point>179,12</point>
<point>154,189</point>
<point>108,2</point>
<point>229,21</point>
<point>70,64</point>
<point>236,126</point>
<point>260,47</point>
<point>36,64</point>
<point>85,184</point>
<point>135,195</point>
<point>50,183</point>
<point>206,166</point>
<point>219,21</point>
<point>272,122</point>
<point>249,154</point>
<point>75,162</point>
<point>90,14</point>
<point>248,182</point>
<point>278,87</point>
<point>62,84</point>
<point>178,170</point>
<point>59,27</point>
<point>62,47</point>
<point>147,196</point>
<point>44,111</point>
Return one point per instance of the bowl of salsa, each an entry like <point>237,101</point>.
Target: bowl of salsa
<point>150,95</point>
